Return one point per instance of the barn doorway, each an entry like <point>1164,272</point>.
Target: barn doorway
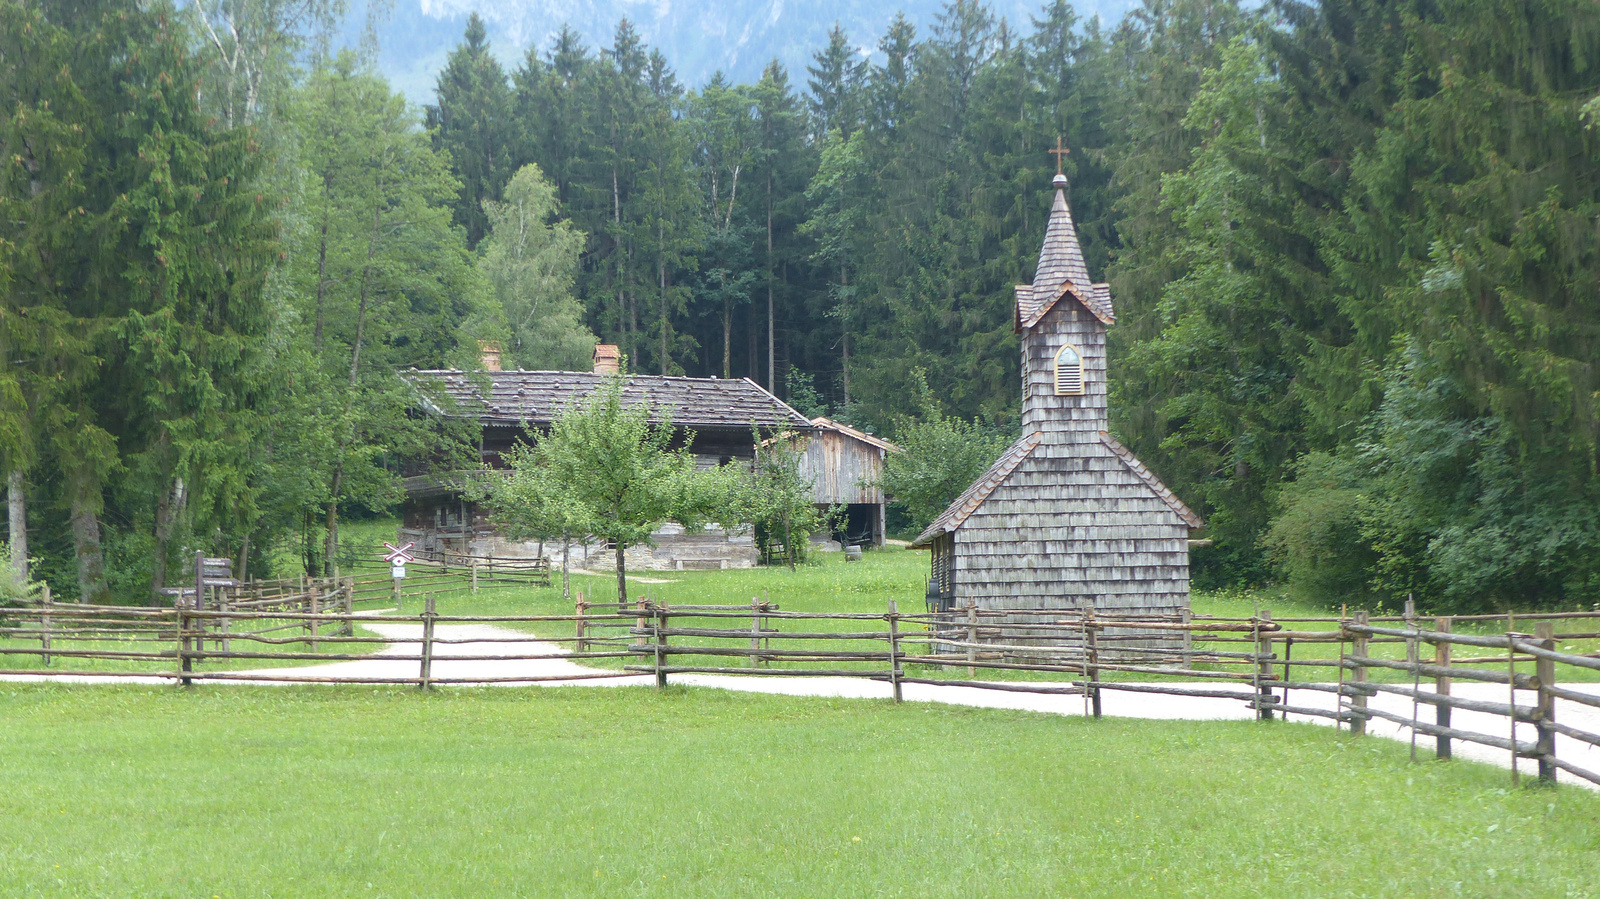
<point>861,525</point>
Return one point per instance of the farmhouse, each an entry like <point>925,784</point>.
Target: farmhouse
<point>714,416</point>
<point>1066,515</point>
<point>844,466</point>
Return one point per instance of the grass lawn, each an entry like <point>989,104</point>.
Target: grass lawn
<point>235,792</point>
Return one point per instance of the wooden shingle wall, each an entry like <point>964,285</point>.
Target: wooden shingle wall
<point>1070,524</point>
<point>1084,414</point>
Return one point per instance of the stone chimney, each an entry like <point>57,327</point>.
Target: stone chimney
<point>489,354</point>
<point>607,359</point>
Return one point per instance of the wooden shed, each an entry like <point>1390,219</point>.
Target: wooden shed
<point>845,465</point>
<point>1066,516</point>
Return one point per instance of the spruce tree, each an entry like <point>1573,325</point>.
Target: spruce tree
<point>472,122</point>
<point>151,259</point>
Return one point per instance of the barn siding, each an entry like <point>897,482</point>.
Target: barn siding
<point>841,465</point>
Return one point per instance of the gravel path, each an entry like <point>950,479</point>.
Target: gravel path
<point>448,664</point>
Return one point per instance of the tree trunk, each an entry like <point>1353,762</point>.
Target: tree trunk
<point>566,579</point>
<point>752,352</point>
<point>633,323</point>
<point>17,516</point>
<point>322,269</point>
<point>788,540</point>
<point>666,320</point>
<point>844,281</point>
<point>772,384</point>
<point>165,516</point>
<point>622,581</point>
<point>244,557</point>
<point>85,513</point>
<point>331,546</point>
<point>336,483</point>
<point>727,331</point>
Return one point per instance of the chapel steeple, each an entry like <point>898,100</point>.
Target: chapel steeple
<point>1060,259</point>
<point>1062,317</point>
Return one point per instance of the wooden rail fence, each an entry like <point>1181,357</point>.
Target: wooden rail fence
<point>1351,660</point>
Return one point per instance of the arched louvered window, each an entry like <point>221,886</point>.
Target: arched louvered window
<point>1069,371</point>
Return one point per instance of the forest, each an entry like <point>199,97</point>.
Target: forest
<point>1354,248</point>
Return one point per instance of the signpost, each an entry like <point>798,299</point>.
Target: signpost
<point>397,557</point>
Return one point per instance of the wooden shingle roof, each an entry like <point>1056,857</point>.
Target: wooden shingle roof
<point>1061,271</point>
<point>1061,258</point>
<point>969,501</point>
<point>536,397</point>
<point>1154,483</point>
<point>1031,307</point>
<point>829,424</point>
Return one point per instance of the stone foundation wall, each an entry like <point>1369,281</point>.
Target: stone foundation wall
<point>675,549</point>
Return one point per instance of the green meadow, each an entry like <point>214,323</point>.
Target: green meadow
<point>257,792</point>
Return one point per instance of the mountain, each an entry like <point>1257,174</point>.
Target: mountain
<point>737,37</point>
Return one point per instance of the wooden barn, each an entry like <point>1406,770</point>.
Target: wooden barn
<point>845,465</point>
<point>718,413</point>
<point>1066,516</point>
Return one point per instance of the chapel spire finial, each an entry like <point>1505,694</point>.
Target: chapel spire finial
<point>1060,153</point>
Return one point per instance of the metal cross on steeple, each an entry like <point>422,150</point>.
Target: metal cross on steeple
<point>1060,152</point>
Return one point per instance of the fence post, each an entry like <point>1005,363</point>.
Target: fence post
<point>184,662</point>
<point>348,629</point>
<point>200,587</point>
<point>315,606</point>
<point>661,647</point>
<point>1441,686</point>
<point>1511,699</point>
<point>894,647</point>
<point>427,644</point>
<point>1263,667</point>
<point>755,631</point>
<point>1414,659</point>
<point>972,636</point>
<point>1545,671</point>
<point>44,623</point>
<point>222,623</point>
<point>1091,656</point>
<point>1188,640</point>
<point>1344,634</point>
<point>1358,698</point>
<point>580,608</point>
<point>474,577</point>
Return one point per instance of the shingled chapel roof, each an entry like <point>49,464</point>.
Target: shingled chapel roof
<point>1061,270</point>
<point>536,397</point>
<point>969,501</point>
<point>973,498</point>
<point>1150,480</point>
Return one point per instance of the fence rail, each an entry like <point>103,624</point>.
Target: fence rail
<point>1062,652</point>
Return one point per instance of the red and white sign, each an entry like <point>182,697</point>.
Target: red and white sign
<point>398,555</point>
